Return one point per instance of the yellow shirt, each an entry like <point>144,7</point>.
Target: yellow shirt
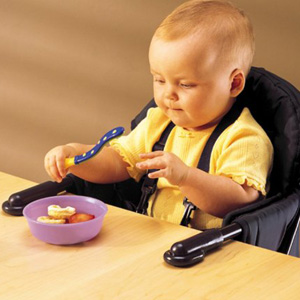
<point>242,152</point>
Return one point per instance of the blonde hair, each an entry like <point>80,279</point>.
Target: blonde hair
<point>221,21</point>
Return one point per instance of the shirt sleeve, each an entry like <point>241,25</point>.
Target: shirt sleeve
<point>245,155</point>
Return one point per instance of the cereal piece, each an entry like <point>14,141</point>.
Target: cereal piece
<point>58,212</point>
<point>50,220</point>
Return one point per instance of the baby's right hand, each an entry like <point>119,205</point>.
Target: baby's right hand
<point>54,161</point>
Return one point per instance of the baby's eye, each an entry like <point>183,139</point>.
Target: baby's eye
<point>186,85</point>
<point>160,81</point>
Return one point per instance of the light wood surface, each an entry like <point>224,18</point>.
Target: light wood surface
<point>125,261</point>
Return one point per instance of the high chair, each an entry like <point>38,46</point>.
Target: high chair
<point>271,223</point>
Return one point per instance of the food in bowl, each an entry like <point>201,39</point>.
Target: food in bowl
<point>64,215</point>
<point>50,220</point>
<point>58,212</point>
<point>66,234</point>
<point>77,218</point>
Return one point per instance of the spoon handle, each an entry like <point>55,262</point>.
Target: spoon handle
<point>71,161</point>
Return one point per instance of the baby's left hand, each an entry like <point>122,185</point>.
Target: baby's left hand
<point>168,164</point>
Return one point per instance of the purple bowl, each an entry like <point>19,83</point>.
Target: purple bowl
<point>65,234</point>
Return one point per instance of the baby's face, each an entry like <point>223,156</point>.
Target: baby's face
<point>191,85</point>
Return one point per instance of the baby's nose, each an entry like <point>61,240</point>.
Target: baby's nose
<point>171,94</point>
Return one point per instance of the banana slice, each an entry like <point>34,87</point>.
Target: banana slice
<point>57,212</point>
<point>50,220</point>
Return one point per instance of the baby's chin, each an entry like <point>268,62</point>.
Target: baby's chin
<point>183,124</point>
<point>189,126</point>
<point>179,118</point>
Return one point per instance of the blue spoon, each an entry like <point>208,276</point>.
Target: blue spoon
<point>78,159</point>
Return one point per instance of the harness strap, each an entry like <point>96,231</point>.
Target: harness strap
<point>149,185</point>
<point>226,121</point>
<point>204,160</point>
<point>160,145</point>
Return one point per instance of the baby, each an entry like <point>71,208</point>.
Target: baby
<point>199,58</point>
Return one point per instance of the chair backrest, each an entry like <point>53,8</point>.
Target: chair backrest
<point>273,222</point>
<point>275,104</point>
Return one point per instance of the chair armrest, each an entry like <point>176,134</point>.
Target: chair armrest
<point>191,251</point>
<point>17,201</point>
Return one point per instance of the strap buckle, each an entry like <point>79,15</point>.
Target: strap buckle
<point>148,188</point>
<point>189,207</point>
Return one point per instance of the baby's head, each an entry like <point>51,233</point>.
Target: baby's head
<point>199,58</point>
<point>227,29</point>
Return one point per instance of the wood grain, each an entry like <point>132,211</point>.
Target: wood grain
<point>125,261</point>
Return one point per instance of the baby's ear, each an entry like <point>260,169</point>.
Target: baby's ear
<point>237,82</point>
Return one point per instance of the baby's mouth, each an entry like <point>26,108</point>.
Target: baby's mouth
<point>171,106</point>
<point>175,109</point>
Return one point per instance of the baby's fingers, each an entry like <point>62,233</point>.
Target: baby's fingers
<point>157,174</point>
<point>51,166</point>
<point>60,163</point>
<point>152,160</point>
<point>151,164</point>
<point>150,155</point>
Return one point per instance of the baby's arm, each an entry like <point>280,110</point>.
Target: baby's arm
<point>106,167</point>
<point>216,195</point>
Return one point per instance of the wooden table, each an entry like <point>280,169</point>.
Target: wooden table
<point>125,261</point>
